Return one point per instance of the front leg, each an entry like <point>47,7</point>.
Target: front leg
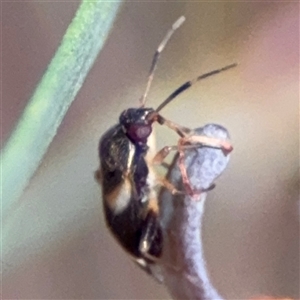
<point>205,141</point>
<point>180,130</point>
<point>159,160</point>
<point>165,151</point>
<point>196,141</point>
<point>191,141</point>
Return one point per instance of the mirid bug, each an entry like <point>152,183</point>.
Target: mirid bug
<point>126,174</point>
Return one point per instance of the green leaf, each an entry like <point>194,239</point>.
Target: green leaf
<point>53,96</point>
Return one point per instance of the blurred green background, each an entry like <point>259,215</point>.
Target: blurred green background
<point>55,243</point>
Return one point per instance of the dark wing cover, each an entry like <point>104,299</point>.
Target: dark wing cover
<point>114,149</point>
<point>127,225</point>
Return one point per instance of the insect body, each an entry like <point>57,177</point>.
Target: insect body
<point>130,201</point>
<point>126,176</point>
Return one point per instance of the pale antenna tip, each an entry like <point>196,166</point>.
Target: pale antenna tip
<point>178,23</point>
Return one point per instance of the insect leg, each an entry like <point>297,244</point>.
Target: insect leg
<point>150,268</point>
<point>185,143</point>
<point>165,151</point>
<point>168,185</point>
<point>151,240</point>
<point>161,155</point>
<point>198,141</point>
<point>180,130</point>
<point>185,178</point>
<point>206,141</point>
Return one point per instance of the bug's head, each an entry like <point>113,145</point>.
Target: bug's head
<point>137,123</point>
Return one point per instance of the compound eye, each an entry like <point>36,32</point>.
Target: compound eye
<point>138,132</point>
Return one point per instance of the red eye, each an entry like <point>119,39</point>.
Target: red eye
<point>138,132</point>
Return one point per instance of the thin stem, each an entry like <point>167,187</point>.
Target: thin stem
<point>54,94</point>
<point>183,263</point>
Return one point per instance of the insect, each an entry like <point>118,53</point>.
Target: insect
<point>126,174</point>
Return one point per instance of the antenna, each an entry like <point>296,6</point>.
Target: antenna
<point>188,84</point>
<point>156,56</point>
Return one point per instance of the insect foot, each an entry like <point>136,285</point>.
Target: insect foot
<point>199,139</point>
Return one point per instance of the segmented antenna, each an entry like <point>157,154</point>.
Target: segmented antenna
<point>156,56</point>
<point>188,84</point>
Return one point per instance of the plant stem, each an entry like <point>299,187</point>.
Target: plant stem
<point>183,263</point>
<point>53,96</point>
